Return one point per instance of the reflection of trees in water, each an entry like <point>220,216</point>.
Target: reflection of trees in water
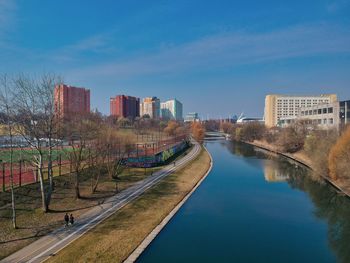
<point>329,205</point>
<point>241,149</point>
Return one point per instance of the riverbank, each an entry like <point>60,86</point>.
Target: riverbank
<point>33,223</point>
<point>300,157</point>
<point>147,241</point>
<point>118,236</point>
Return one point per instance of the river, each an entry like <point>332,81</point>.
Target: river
<point>255,206</point>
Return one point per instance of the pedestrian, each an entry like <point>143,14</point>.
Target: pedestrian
<point>71,219</point>
<point>66,220</point>
<point>174,163</point>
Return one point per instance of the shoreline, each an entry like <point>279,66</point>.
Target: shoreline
<point>126,230</point>
<point>52,243</point>
<point>154,233</point>
<point>303,162</point>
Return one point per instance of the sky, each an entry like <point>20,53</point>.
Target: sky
<point>218,58</point>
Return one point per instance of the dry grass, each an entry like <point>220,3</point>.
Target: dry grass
<point>33,223</point>
<point>115,238</point>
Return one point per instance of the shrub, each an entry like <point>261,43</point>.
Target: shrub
<point>271,135</point>
<point>226,127</point>
<point>198,131</point>
<point>317,146</point>
<point>171,128</point>
<point>291,139</point>
<point>339,157</point>
<point>237,135</point>
<point>252,131</point>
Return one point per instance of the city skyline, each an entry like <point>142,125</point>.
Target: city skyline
<point>183,50</point>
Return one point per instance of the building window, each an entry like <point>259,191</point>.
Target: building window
<point>319,121</point>
<point>310,112</point>
<point>319,111</point>
<point>330,110</point>
<point>325,110</point>
<point>315,112</point>
<point>324,121</point>
<point>330,121</point>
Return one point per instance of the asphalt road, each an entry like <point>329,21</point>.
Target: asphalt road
<point>49,245</point>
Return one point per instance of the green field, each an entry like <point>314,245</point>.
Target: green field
<point>27,154</point>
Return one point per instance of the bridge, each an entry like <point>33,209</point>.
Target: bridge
<point>216,135</point>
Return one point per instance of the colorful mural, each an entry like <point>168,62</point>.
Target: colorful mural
<point>154,160</point>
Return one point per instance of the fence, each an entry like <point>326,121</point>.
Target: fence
<point>147,153</point>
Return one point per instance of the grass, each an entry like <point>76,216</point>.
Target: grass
<point>33,223</point>
<point>147,136</point>
<point>115,238</point>
<point>27,154</point>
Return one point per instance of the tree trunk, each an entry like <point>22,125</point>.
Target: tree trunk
<point>42,187</point>
<point>96,182</point>
<point>77,190</point>
<point>50,177</point>
<point>13,201</point>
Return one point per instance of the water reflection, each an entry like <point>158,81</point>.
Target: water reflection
<point>329,205</point>
<point>273,174</point>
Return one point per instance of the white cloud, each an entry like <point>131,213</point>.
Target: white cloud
<point>334,6</point>
<point>7,8</point>
<point>227,50</point>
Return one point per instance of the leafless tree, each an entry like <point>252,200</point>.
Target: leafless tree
<point>98,154</point>
<point>38,124</point>
<point>6,107</point>
<point>119,148</point>
<point>81,130</point>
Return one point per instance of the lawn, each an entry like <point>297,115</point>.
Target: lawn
<point>27,154</point>
<point>115,238</point>
<point>33,223</point>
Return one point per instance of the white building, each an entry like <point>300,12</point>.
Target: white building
<point>150,106</point>
<point>324,116</point>
<point>171,110</point>
<point>284,106</point>
<point>192,117</point>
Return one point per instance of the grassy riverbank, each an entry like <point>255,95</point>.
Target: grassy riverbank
<point>343,185</point>
<point>33,223</point>
<point>115,238</point>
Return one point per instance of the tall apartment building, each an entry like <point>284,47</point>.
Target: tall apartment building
<point>172,110</point>
<point>125,106</point>
<point>71,100</point>
<point>283,106</point>
<point>150,106</point>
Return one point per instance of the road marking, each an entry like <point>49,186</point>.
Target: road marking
<point>122,202</point>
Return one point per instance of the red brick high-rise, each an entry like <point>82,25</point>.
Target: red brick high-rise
<point>125,106</point>
<point>71,100</point>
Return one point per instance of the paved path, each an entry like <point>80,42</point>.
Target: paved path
<point>49,245</point>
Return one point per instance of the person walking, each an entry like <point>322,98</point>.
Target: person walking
<point>71,219</point>
<point>66,220</point>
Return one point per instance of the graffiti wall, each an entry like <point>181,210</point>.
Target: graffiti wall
<point>158,159</point>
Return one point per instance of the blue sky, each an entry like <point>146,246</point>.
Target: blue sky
<point>217,57</point>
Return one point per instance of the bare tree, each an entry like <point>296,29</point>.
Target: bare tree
<point>118,148</point>
<point>6,99</point>
<point>38,124</point>
<point>98,155</point>
<point>81,130</point>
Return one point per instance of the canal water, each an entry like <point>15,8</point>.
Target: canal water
<point>256,207</point>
